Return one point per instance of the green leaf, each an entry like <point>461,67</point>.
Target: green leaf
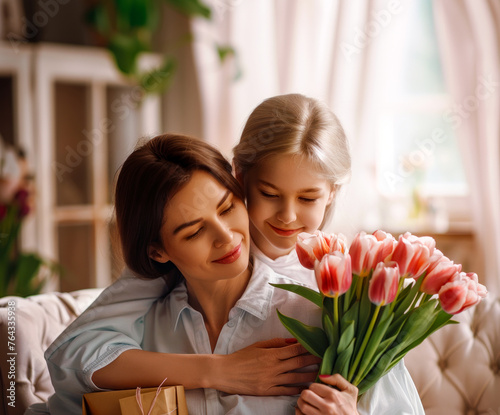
<point>191,8</point>
<point>417,324</point>
<point>309,294</point>
<point>351,315</point>
<point>125,50</point>
<point>407,296</point>
<point>378,370</point>
<point>365,315</point>
<point>312,338</point>
<point>224,52</point>
<point>346,337</point>
<point>344,359</point>
<point>328,361</point>
<point>442,319</point>
<point>351,292</point>
<point>25,274</point>
<point>98,18</point>
<point>328,327</point>
<point>158,80</point>
<point>372,348</point>
<point>143,13</point>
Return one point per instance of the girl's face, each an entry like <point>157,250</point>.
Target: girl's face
<point>205,231</point>
<point>285,196</point>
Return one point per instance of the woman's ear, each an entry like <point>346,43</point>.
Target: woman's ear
<point>157,253</point>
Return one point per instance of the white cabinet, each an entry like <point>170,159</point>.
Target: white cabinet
<point>78,119</point>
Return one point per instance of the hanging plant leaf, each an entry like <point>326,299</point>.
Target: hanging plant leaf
<point>191,8</point>
<point>158,80</point>
<point>98,18</point>
<point>125,50</point>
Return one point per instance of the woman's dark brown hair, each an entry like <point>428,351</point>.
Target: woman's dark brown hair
<point>149,178</point>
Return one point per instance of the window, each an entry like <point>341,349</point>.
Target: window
<point>419,165</point>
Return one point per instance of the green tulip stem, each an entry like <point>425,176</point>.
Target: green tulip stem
<point>336,313</point>
<point>359,287</point>
<point>365,342</point>
<point>394,302</point>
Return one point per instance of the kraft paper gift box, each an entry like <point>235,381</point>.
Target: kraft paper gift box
<point>108,403</point>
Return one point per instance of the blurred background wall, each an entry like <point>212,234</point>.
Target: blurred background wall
<point>415,83</point>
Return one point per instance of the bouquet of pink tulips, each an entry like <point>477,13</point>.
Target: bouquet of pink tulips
<point>379,299</point>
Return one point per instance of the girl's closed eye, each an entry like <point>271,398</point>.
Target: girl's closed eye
<point>268,195</point>
<point>308,199</point>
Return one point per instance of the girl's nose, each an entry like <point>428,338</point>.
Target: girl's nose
<point>287,213</point>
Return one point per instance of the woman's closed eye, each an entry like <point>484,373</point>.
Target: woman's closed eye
<point>194,235</point>
<point>227,209</point>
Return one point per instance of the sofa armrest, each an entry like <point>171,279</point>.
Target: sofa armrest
<point>37,321</point>
<point>457,369</point>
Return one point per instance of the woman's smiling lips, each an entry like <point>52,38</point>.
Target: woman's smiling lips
<point>230,257</point>
<point>285,232</point>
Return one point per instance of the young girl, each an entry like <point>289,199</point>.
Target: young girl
<point>292,159</point>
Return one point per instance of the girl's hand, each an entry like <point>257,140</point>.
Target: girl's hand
<point>322,399</point>
<point>264,368</point>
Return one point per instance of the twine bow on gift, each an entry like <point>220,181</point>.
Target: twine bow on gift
<point>138,398</point>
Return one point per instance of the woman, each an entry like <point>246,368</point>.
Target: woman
<point>180,212</point>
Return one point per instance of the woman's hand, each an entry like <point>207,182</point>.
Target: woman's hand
<point>322,399</point>
<point>263,369</point>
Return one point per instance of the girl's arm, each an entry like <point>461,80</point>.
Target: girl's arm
<point>113,325</point>
<point>260,369</point>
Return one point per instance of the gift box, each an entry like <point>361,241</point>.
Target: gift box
<point>109,403</point>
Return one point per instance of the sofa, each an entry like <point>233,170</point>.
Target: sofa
<point>456,370</point>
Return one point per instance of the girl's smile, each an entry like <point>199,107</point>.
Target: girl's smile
<point>285,232</point>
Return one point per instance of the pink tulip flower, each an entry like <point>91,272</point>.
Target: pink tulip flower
<point>387,243</point>
<point>461,293</point>
<point>333,274</point>
<point>384,282</point>
<point>312,247</point>
<point>441,270</point>
<point>413,254</point>
<point>363,252</point>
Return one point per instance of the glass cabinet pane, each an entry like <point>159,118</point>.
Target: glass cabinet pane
<point>6,109</point>
<point>73,145</point>
<point>76,256</point>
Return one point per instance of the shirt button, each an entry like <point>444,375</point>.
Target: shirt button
<point>230,323</point>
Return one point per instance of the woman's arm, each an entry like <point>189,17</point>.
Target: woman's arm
<point>260,369</point>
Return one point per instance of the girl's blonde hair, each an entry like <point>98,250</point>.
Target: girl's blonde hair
<point>294,124</point>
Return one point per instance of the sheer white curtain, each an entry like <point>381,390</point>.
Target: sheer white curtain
<point>469,40</point>
<point>315,48</point>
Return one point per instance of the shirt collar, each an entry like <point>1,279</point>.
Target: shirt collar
<point>256,298</point>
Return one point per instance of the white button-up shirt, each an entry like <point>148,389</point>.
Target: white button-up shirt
<point>173,326</point>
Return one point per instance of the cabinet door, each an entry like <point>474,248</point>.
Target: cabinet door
<point>88,119</point>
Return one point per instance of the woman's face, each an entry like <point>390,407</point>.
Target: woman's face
<point>285,196</point>
<point>205,231</point>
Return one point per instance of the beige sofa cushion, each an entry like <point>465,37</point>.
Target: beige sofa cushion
<point>38,321</point>
<point>457,369</point>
